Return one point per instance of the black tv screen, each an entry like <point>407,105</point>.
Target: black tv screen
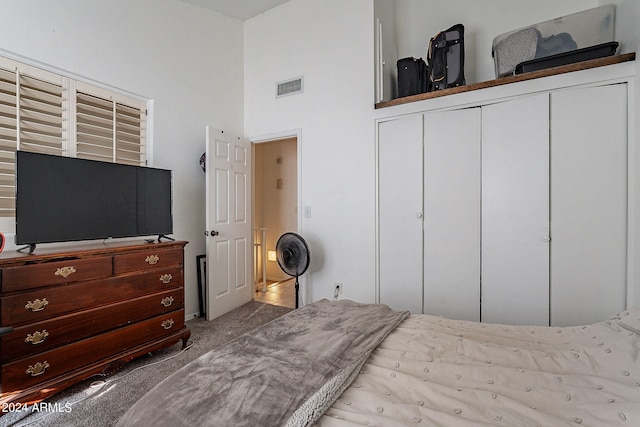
<point>61,199</point>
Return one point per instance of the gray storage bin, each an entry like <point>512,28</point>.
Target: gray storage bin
<point>576,31</point>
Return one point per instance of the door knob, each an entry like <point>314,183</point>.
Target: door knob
<point>213,233</point>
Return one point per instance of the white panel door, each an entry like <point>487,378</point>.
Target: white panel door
<point>452,142</point>
<point>400,213</point>
<point>588,204</point>
<point>515,211</point>
<point>229,262</point>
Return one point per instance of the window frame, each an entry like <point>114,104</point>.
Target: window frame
<point>126,128</point>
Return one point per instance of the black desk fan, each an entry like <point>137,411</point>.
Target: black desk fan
<point>293,256</point>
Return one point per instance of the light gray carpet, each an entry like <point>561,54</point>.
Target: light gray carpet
<point>101,401</point>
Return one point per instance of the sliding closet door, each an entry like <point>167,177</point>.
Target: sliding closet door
<point>452,214</point>
<point>588,204</point>
<point>515,211</point>
<point>400,213</point>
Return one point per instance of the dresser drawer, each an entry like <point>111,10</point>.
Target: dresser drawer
<point>51,364</point>
<point>124,263</point>
<point>42,336</point>
<point>38,305</point>
<point>52,273</point>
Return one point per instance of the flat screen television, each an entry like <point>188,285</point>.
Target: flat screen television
<point>60,199</point>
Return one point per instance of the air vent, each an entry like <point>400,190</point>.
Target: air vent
<point>290,87</point>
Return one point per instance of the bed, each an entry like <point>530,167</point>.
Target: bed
<point>342,363</point>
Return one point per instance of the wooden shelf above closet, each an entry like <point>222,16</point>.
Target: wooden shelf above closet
<point>593,63</point>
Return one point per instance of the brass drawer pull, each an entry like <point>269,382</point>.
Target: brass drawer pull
<point>167,324</point>
<point>167,301</point>
<point>65,271</point>
<point>37,305</point>
<point>37,369</point>
<point>37,337</point>
<point>152,259</point>
<point>166,278</point>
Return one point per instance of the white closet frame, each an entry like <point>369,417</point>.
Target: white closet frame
<point>617,73</point>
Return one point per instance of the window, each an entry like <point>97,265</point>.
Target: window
<point>45,112</point>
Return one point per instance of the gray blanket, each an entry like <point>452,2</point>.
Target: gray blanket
<point>284,373</point>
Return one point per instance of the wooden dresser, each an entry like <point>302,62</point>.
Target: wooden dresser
<point>84,310</point>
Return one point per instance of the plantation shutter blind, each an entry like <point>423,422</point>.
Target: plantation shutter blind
<point>45,112</point>
<point>130,134</point>
<point>31,119</point>
<point>8,140</point>
<point>110,128</point>
<point>41,118</point>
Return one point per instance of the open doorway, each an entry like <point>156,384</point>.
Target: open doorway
<point>275,212</point>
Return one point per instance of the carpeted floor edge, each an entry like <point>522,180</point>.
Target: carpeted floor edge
<point>100,401</point>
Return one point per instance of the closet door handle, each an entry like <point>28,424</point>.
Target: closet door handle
<point>419,215</point>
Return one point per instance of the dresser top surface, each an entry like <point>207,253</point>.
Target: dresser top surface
<point>52,252</point>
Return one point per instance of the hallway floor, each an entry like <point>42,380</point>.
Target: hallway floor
<point>278,293</point>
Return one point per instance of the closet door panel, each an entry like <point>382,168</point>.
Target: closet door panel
<point>588,204</point>
<point>400,213</point>
<point>452,214</point>
<point>515,212</point>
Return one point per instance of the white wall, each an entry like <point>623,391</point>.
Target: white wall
<point>627,17</point>
<point>330,42</point>
<point>143,46</point>
<point>186,59</point>
<point>334,51</point>
<point>385,15</point>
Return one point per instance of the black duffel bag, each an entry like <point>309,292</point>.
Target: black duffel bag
<point>446,59</point>
<point>412,76</point>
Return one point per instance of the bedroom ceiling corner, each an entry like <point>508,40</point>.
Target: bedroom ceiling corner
<point>239,9</point>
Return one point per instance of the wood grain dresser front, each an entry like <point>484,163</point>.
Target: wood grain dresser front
<point>85,311</point>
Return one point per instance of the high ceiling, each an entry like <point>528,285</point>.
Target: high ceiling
<point>240,9</point>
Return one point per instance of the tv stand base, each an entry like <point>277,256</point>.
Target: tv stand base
<point>31,247</point>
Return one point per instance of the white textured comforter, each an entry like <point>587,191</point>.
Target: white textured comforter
<point>435,371</point>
